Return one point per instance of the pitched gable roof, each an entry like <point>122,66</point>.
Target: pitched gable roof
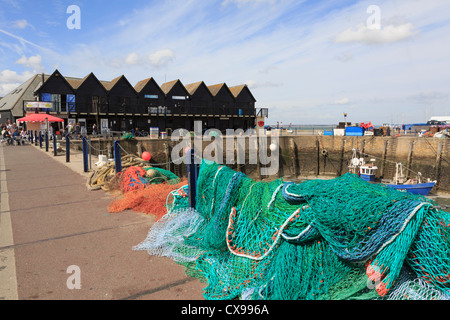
<point>237,90</point>
<point>166,87</point>
<point>143,83</point>
<point>111,84</point>
<point>55,74</point>
<point>169,86</point>
<point>192,87</point>
<point>13,100</point>
<point>75,83</point>
<point>214,89</point>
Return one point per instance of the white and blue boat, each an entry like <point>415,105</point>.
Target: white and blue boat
<point>416,186</point>
<point>368,173</point>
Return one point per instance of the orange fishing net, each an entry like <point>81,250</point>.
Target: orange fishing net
<point>149,200</point>
<point>132,179</point>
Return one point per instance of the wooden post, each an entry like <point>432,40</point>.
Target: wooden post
<point>139,149</point>
<point>258,162</point>
<point>363,146</point>
<point>409,163</point>
<point>117,156</point>
<point>383,166</point>
<point>318,157</point>
<point>439,163</point>
<point>341,160</point>
<point>167,154</point>
<point>280,160</point>
<point>293,151</point>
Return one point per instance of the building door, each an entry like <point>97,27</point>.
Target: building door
<point>95,102</point>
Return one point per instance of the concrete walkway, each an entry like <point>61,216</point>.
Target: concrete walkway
<point>55,234</point>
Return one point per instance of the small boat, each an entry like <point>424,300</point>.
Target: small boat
<point>416,186</point>
<point>368,172</point>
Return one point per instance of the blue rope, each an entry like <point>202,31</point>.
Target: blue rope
<point>290,197</point>
<point>232,185</point>
<point>389,225</point>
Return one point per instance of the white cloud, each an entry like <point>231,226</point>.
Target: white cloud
<point>388,34</point>
<point>10,80</point>
<point>240,3</point>
<point>6,88</point>
<point>157,59</point>
<point>22,24</point>
<point>255,84</point>
<point>33,62</point>
<point>430,98</point>
<point>161,58</point>
<point>342,101</point>
<point>133,59</point>
<point>285,47</point>
<point>12,76</point>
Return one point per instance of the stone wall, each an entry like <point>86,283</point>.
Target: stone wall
<point>306,157</point>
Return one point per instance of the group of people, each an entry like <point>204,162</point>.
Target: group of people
<point>76,130</point>
<point>12,133</point>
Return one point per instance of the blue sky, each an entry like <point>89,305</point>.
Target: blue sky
<point>307,61</point>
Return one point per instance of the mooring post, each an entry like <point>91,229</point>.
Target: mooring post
<point>46,141</point>
<point>192,172</point>
<point>383,166</point>
<point>90,153</point>
<point>117,157</point>
<point>341,160</point>
<point>410,157</point>
<point>67,149</point>
<point>318,157</point>
<point>294,157</point>
<point>439,163</point>
<point>55,145</point>
<point>85,155</point>
<point>167,154</point>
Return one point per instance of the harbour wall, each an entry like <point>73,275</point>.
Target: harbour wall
<point>314,157</point>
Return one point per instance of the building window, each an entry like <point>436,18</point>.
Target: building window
<point>71,103</point>
<point>46,97</point>
<point>56,102</point>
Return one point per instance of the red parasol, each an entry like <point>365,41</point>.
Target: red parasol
<point>40,117</point>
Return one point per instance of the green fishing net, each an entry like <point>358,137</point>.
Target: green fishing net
<point>334,239</point>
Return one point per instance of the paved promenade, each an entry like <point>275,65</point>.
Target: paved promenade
<point>54,234</point>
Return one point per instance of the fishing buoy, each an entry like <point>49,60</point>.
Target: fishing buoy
<point>150,173</point>
<point>146,156</point>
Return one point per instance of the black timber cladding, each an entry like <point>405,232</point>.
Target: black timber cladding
<point>171,105</point>
<point>122,96</point>
<point>150,95</point>
<point>91,96</point>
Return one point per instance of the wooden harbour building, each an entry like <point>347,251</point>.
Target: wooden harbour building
<point>117,105</point>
